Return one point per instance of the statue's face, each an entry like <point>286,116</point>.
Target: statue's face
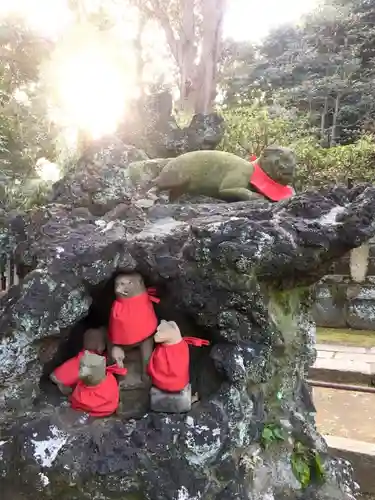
<point>92,369</point>
<point>280,164</point>
<point>129,285</point>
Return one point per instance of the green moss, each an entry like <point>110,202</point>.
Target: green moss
<point>346,336</point>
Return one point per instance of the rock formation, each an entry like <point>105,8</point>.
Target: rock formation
<point>151,125</point>
<point>235,274</point>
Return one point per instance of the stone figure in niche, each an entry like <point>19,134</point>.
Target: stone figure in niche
<point>228,177</point>
<point>97,391</point>
<point>133,321</point>
<point>66,375</point>
<point>169,370</point>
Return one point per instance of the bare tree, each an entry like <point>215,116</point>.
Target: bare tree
<point>193,30</point>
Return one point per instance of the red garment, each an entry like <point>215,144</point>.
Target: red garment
<point>133,319</point>
<point>267,186</point>
<point>101,400</point>
<point>253,157</point>
<point>67,373</point>
<point>169,364</point>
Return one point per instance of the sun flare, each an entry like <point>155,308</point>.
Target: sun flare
<point>91,82</point>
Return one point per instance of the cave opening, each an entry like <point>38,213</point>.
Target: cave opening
<point>134,395</point>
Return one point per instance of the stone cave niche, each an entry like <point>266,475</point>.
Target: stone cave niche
<point>134,393</point>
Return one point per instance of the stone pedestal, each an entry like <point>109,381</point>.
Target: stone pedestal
<point>170,402</point>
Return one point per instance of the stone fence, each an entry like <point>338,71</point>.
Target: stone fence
<point>345,298</point>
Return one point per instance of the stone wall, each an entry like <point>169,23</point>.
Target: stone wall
<point>344,300</point>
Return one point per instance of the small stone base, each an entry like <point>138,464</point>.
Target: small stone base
<point>170,402</point>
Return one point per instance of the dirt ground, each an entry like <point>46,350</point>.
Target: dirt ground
<point>345,414</point>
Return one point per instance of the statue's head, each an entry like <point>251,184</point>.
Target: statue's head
<point>129,285</point>
<point>92,369</point>
<point>167,333</point>
<point>279,163</point>
<point>94,339</point>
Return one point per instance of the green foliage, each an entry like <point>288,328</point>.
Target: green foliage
<point>251,128</point>
<point>271,433</point>
<point>25,133</point>
<point>24,196</point>
<point>306,465</point>
<point>319,166</point>
<point>324,67</point>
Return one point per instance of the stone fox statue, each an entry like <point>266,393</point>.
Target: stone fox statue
<point>228,177</point>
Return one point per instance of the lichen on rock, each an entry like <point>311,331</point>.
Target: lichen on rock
<point>236,274</point>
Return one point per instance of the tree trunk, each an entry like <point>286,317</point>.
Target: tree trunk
<point>197,83</point>
<point>334,122</point>
<point>187,54</point>
<point>213,14</point>
<point>323,121</point>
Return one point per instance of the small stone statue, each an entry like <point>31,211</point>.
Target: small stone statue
<point>228,177</point>
<point>133,321</point>
<point>66,375</point>
<point>97,391</point>
<point>169,370</point>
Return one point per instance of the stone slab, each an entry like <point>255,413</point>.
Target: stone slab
<point>326,354</point>
<point>345,370</point>
<point>341,348</point>
<point>355,357</point>
<point>362,457</point>
<point>343,365</point>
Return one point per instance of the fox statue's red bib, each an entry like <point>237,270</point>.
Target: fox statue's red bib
<point>100,400</point>
<point>169,363</point>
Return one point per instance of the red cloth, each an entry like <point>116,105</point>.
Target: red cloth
<point>253,157</point>
<point>101,400</point>
<point>133,319</point>
<point>169,364</point>
<point>267,186</point>
<point>67,373</point>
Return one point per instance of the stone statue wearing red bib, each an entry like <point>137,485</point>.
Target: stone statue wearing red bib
<point>169,369</point>
<point>133,321</point>
<point>66,375</point>
<point>97,391</point>
<point>228,177</point>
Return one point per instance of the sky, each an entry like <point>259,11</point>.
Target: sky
<point>245,19</point>
<point>253,19</point>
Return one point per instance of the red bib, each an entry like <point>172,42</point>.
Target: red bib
<point>267,186</point>
<point>101,400</point>
<point>169,364</point>
<point>133,319</point>
<point>67,373</point>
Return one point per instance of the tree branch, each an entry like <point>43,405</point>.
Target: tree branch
<point>160,14</point>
